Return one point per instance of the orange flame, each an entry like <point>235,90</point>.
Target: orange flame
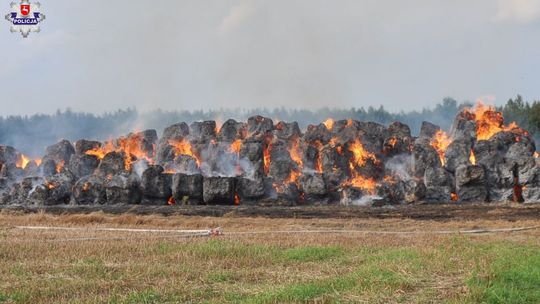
<point>360,155</point>
<point>454,197</point>
<point>440,142</point>
<point>171,201</point>
<point>296,156</point>
<point>236,145</point>
<point>266,158</point>
<point>59,166</point>
<point>100,152</point>
<point>318,161</point>
<point>23,161</point>
<point>183,147</point>
<point>358,159</point>
<point>361,182</point>
<point>489,121</point>
<point>236,199</point>
<point>329,124</point>
<point>392,142</point>
<point>472,158</point>
<point>293,177</point>
<point>130,145</point>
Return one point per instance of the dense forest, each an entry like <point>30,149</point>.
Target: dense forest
<point>31,134</point>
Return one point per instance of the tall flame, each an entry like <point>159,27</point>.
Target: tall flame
<point>296,156</point>
<point>440,142</point>
<point>266,158</point>
<point>489,121</point>
<point>472,158</point>
<point>359,157</point>
<point>318,160</point>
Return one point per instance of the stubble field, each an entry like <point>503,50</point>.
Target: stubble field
<point>362,259</point>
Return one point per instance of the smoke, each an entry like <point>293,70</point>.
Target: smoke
<point>399,166</point>
<point>32,134</point>
<point>522,11</point>
<point>246,54</point>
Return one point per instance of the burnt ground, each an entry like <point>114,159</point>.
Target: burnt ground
<point>434,212</point>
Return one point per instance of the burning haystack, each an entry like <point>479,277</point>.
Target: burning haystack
<point>349,162</point>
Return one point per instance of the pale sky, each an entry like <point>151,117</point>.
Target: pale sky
<point>98,56</point>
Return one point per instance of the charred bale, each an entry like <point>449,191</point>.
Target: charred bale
<point>176,132</point>
<point>313,186</point>
<point>335,165</point>
<point>281,163</point>
<point>8,155</point>
<point>439,184</point>
<point>89,190</point>
<point>457,154</point>
<point>202,131</point>
<point>464,126</point>
<point>346,131</point>
<point>56,190</point>
<point>252,161</point>
<point>317,133</point>
<point>285,194</point>
<point>414,190</point>
<point>155,184</point>
<point>146,140</point>
<point>20,191</point>
<point>82,146</point>
<point>428,130</point>
<point>187,189</point>
<point>60,152</point>
<point>311,158</point>
<point>219,190</point>
<point>398,129</point>
<point>249,189</point>
<point>259,127</point>
<point>424,156</point>
<point>81,164</point>
<point>372,136</point>
<point>471,183</point>
<point>165,153</point>
<point>123,189</point>
<point>232,130</point>
<point>185,164</point>
<point>287,131</point>
<point>47,167</point>
<point>390,193</point>
<point>113,163</point>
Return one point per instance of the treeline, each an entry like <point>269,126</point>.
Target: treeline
<point>31,134</point>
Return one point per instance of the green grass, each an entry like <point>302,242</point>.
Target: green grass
<point>513,277</point>
<point>311,254</point>
<point>455,269</point>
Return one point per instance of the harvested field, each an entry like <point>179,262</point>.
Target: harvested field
<point>376,255</point>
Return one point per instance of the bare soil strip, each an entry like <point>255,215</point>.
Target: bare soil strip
<point>431,212</point>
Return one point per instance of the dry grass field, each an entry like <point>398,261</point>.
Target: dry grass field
<point>376,261</point>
